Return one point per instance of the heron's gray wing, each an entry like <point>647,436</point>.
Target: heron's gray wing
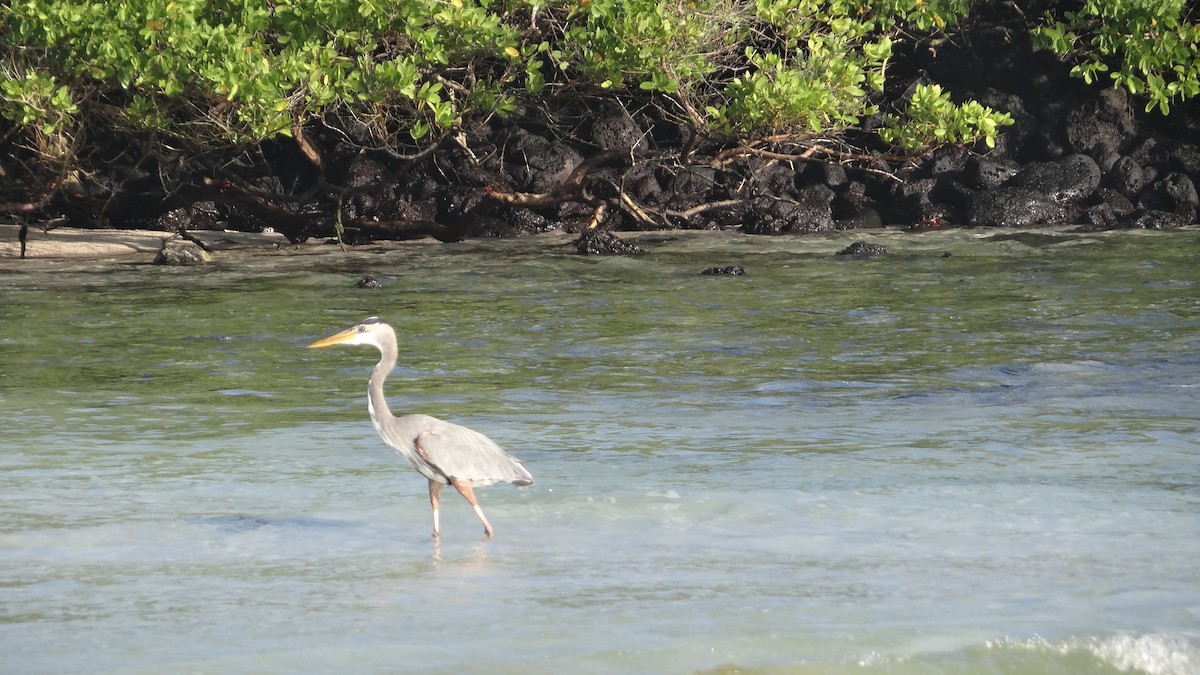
<point>463,454</point>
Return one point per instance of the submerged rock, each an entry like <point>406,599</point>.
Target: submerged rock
<point>736,270</point>
<point>367,282</point>
<point>175,252</point>
<point>593,242</point>
<point>863,249</point>
<point>1153,219</point>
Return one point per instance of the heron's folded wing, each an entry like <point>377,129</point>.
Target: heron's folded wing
<point>463,454</point>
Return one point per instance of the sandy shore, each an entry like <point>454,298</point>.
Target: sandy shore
<point>72,243</point>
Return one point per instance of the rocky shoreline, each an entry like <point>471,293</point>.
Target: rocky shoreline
<point>1077,155</point>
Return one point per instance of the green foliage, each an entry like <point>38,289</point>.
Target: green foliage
<point>823,61</point>
<point>833,55</point>
<point>221,72</point>
<point>1149,47</point>
<point>243,71</point>
<point>654,46</point>
<point>932,115</point>
<point>856,19</point>
<point>37,99</point>
<point>784,96</point>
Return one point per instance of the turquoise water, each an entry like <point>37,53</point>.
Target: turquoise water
<point>982,462</point>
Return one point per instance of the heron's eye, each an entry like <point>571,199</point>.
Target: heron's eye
<point>361,328</point>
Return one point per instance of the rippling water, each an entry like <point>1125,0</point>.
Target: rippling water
<point>919,463</point>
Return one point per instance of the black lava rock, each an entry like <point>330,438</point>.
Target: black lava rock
<point>182,253</point>
<point>863,249</point>
<point>593,242</point>
<point>1065,181</point>
<point>1014,207</point>
<point>736,270</point>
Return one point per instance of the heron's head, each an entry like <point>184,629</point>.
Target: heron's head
<point>370,332</point>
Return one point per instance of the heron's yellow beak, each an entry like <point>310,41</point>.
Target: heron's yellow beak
<point>335,339</point>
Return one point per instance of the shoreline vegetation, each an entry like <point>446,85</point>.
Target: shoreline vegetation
<point>364,120</point>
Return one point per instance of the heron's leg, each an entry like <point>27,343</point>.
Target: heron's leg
<point>435,489</point>
<point>464,489</point>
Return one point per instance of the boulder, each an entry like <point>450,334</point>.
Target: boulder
<point>1014,207</point>
<point>1068,180</point>
<point>176,252</point>
<point>526,221</point>
<point>811,211</point>
<point>1103,122</point>
<point>691,186</point>
<point>1108,212</point>
<point>596,242</point>
<point>1153,219</point>
<point>834,175</point>
<point>935,215</point>
<point>910,200</point>
<point>863,250</point>
<point>1126,177</point>
<point>538,164</point>
<point>949,160</point>
<point>867,218</point>
<point>986,173</point>
<point>814,211</point>
<point>610,127</point>
<point>851,200</point>
<point>1186,156</point>
<point>1175,192</point>
<point>1017,140</point>
<point>734,270</point>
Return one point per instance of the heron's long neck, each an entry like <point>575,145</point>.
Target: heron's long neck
<point>376,403</point>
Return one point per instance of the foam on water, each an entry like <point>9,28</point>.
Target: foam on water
<point>1151,654</point>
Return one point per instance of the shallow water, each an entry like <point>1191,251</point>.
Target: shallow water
<point>986,462</point>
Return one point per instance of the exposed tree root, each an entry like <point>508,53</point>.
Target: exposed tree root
<point>573,189</point>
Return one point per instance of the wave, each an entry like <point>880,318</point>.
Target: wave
<point>1113,655</point>
<point>1149,654</point>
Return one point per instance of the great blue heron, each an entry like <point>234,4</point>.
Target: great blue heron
<point>443,452</point>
